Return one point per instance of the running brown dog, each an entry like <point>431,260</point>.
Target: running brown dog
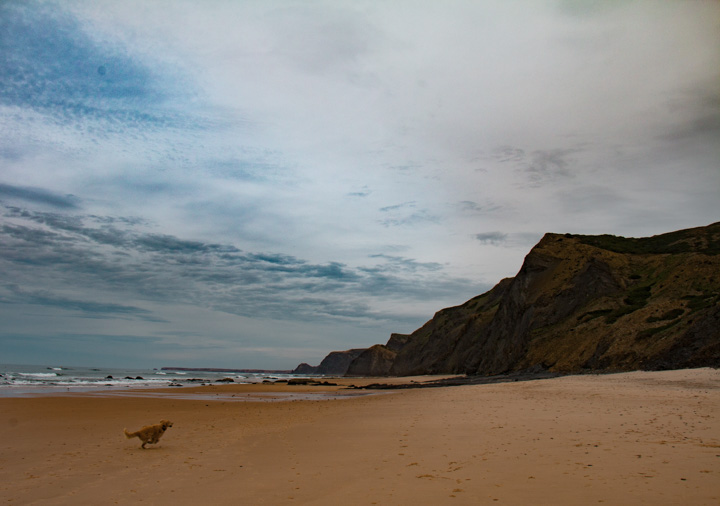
<point>150,434</point>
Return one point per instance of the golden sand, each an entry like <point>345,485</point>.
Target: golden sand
<point>635,438</point>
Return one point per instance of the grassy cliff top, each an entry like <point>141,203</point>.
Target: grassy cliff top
<point>705,240</point>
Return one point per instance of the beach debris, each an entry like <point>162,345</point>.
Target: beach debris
<point>310,382</point>
<point>300,381</point>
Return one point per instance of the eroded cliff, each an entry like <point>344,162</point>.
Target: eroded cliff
<point>579,303</point>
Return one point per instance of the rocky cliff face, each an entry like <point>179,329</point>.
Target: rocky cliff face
<point>378,360</point>
<point>578,303</point>
<point>305,368</point>
<point>336,363</point>
<point>375,361</point>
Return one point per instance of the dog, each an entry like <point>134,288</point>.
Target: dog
<point>150,434</point>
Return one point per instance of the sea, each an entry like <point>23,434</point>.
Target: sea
<point>20,380</point>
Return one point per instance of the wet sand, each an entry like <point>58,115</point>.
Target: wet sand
<point>635,438</point>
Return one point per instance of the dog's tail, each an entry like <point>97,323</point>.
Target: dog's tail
<point>129,434</point>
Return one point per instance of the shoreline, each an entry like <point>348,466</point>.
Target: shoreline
<point>625,438</point>
<point>317,385</point>
<point>320,386</point>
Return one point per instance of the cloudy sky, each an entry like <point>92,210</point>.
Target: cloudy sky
<point>256,183</point>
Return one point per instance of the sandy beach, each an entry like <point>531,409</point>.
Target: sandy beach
<point>634,438</point>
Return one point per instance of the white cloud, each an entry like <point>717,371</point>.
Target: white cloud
<point>450,133</point>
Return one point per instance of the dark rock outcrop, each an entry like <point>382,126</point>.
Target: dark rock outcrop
<point>375,361</point>
<point>397,342</point>
<point>336,363</point>
<point>305,369</point>
<point>378,360</point>
<point>579,303</point>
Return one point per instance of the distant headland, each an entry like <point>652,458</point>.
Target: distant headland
<point>215,369</point>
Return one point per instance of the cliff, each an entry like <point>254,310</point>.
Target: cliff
<point>336,363</point>
<point>378,359</point>
<point>579,303</point>
<point>375,361</point>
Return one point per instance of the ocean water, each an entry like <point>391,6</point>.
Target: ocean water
<point>17,380</point>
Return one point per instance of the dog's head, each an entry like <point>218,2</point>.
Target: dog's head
<point>165,424</point>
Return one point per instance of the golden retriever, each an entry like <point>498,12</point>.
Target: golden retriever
<point>150,434</point>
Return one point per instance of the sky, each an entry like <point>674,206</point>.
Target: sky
<point>253,184</point>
